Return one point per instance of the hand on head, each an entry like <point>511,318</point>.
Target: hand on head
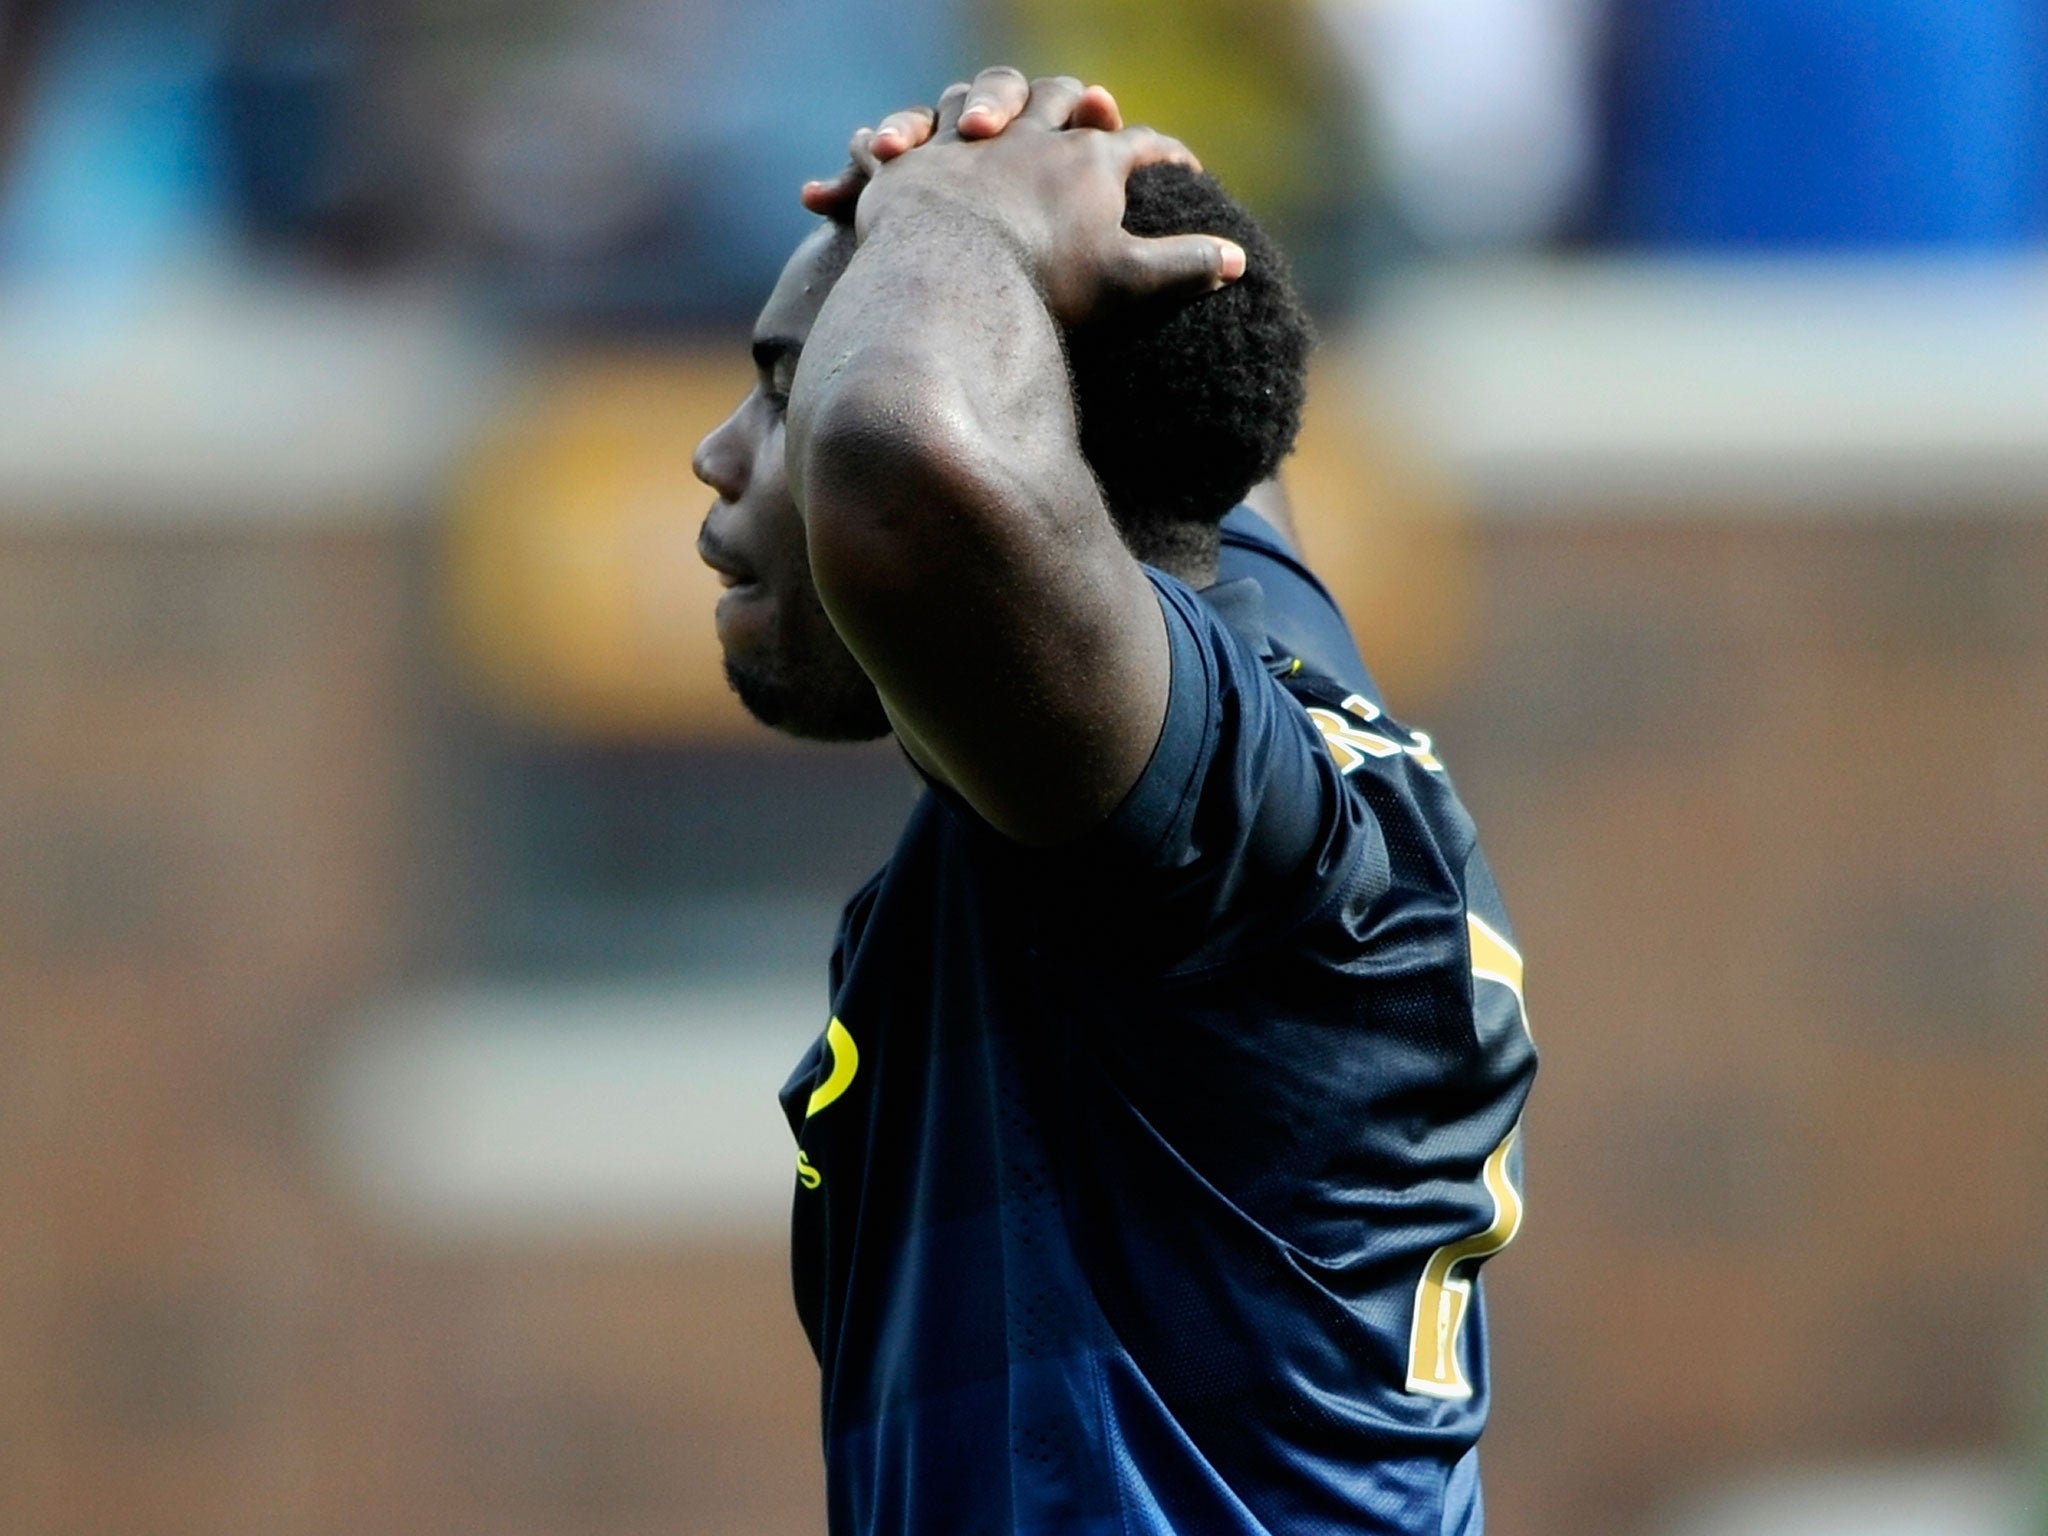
<point>1046,162</point>
<point>997,97</point>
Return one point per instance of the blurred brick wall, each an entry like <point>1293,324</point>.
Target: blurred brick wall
<point>1768,802</point>
<point>209,817</point>
<point>1771,806</point>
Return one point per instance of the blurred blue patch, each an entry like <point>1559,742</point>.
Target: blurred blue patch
<point>1830,123</point>
<point>117,170</point>
<point>792,80</point>
<point>721,112</point>
<point>632,164</point>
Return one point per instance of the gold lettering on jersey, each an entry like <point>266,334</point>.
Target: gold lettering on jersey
<point>806,1173</point>
<point>1495,959</point>
<point>1443,1297</point>
<point>1351,746</point>
<point>845,1062</point>
<point>1423,750</point>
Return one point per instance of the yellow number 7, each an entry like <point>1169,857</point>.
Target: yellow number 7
<point>1443,1296</point>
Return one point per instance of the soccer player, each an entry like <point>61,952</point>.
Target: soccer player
<point>1171,1090</point>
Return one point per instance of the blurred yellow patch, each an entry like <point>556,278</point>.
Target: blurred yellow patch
<point>1389,534</point>
<point>1249,85</point>
<point>575,593</point>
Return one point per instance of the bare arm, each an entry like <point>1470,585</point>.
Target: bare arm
<point>956,534</point>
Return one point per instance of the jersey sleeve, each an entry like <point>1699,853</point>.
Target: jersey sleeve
<point>1240,826</point>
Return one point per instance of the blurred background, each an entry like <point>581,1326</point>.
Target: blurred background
<point>402,936</point>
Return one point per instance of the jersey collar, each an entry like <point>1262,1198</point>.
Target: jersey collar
<point>1241,604</point>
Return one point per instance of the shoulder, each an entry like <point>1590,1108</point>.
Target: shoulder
<point>1240,823</point>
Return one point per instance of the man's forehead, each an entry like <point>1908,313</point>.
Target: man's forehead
<point>807,277</point>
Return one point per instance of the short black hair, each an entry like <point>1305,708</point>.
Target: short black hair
<point>1186,404</point>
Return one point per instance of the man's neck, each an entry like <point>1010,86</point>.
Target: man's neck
<point>1189,551</point>
<point>1197,573</point>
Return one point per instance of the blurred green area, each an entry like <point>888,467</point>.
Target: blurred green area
<point>1252,86</point>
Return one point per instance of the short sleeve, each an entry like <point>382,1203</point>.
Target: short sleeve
<point>1240,827</point>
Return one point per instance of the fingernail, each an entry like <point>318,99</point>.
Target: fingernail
<point>888,136</point>
<point>1230,265</point>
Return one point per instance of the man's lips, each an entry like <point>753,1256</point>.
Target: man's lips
<point>733,572</point>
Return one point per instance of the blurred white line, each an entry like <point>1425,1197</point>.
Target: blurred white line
<point>1642,386</point>
<point>647,1112</point>
<point>1942,1499</point>
<point>217,397</point>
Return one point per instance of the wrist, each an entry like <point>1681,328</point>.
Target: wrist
<point>935,216</point>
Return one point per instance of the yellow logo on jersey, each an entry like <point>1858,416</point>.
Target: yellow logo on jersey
<point>845,1062</point>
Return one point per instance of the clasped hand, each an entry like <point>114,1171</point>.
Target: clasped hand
<point>1044,163</point>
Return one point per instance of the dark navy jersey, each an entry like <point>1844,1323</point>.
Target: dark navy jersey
<point>1143,1183</point>
<point>1302,619</point>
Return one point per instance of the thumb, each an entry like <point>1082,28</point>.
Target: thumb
<point>1179,264</point>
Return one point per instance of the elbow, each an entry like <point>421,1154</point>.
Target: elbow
<point>887,471</point>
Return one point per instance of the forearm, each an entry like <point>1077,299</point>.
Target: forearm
<point>934,368</point>
<point>956,534</point>
<point>934,454</point>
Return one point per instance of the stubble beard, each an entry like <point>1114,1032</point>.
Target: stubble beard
<point>840,709</point>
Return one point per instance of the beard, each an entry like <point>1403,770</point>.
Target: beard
<point>810,706</point>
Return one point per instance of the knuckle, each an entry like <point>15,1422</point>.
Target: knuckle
<point>1143,144</point>
<point>1001,72</point>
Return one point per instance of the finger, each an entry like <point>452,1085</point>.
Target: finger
<point>1097,109</point>
<point>951,100</point>
<point>1147,146</point>
<point>835,196</point>
<point>993,102</point>
<point>903,131</point>
<point>1179,263</point>
<point>1053,99</point>
<point>862,150</point>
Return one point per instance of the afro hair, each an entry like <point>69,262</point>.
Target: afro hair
<point>1187,403</point>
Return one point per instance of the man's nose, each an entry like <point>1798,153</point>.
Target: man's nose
<point>719,463</point>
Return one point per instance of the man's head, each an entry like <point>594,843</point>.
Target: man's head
<point>1184,405</point>
<point>782,655</point>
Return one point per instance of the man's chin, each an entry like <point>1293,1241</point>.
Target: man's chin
<point>810,713</point>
